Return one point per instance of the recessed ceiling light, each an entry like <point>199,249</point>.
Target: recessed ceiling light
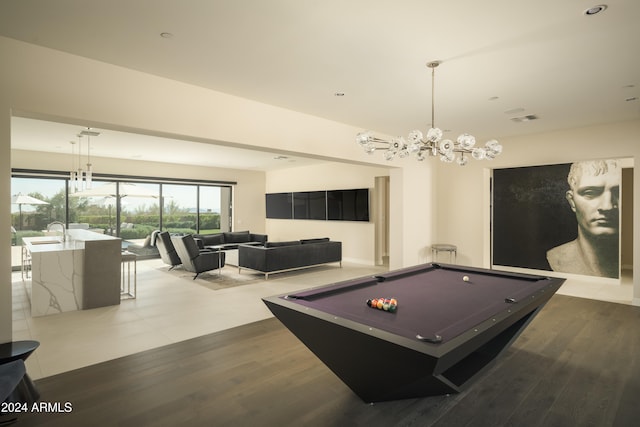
<point>526,118</point>
<point>166,35</point>
<point>339,94</point>
<point>595,10</point>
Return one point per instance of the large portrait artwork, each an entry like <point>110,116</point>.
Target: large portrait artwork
<point>561,217</point>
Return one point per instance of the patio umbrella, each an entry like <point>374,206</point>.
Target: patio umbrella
<point>22,199</point>
<point>108,202</point>
<point>109,190</point>
<point>115,191</point>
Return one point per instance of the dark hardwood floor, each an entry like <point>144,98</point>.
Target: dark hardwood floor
<point>577,364</point>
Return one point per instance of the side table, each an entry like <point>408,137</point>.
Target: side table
<point>221,251</point>
<point>126,292</point>
<point>26,390</point>
<point>444,247</point>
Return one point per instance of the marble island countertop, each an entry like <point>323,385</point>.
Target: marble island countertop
<point>79,272</point>
<point>75,239</point>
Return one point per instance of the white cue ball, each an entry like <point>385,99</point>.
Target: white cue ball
<point>465,278</point>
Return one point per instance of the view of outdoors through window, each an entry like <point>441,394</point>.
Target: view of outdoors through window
<point>129,210</point>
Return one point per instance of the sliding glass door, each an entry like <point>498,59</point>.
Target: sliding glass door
<point>128,209</point>
<point>179,208</point>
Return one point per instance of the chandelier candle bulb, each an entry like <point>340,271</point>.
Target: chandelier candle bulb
<point>433,145</point>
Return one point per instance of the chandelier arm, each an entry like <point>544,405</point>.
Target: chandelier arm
<point>376,139</point>
<point>380,144</point>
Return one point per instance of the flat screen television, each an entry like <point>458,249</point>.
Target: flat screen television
<point>310,205</point>
<point>279,205</point>
<point>348,205</point>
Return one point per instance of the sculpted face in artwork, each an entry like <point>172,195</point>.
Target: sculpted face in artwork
<point>594,197</point>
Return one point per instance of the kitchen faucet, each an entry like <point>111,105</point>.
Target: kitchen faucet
<point>61,224</point>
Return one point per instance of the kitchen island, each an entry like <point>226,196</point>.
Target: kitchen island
<point>77,272</point>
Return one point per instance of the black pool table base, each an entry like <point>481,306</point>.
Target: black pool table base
<point>380,366</point>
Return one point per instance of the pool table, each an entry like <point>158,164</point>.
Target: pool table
<point>450,323</point>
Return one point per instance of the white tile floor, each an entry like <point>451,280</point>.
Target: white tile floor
<point>169,309</point>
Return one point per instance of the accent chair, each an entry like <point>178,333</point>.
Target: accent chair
<point>194,259</point>
<point>166,249</point>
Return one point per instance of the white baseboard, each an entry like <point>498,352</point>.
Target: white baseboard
<point>358,261</point>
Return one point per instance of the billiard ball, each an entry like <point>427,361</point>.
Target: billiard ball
<point>465,278</point>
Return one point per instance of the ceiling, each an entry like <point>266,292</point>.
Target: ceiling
<point>501,60</point>
<point>38,135</point>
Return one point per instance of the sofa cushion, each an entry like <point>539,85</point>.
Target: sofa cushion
<point>318,240</point>
<point>211,239</point>
<point>237,237</point>
<point>279,244</point>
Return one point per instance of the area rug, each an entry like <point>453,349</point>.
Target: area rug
<point>228,278</point>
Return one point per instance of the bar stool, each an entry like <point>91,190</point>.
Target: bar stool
<point>25,261</point>
<point>444,247</point>
<point>126,292</point>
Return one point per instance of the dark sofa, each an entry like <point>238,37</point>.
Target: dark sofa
<point>276,257</point>
<point>230,239</point>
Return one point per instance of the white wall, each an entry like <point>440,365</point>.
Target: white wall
<point>358,238</point>
<point>411,213</point>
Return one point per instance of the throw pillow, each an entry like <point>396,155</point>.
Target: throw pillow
<point>237,237</point>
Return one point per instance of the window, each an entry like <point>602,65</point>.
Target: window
<point>210,212</point>
<point>44,203</point>
<point>120,206</point>
<point>179,212</point>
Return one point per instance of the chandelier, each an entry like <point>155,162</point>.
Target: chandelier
<point>78,178</point>
<point>433,145</point>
